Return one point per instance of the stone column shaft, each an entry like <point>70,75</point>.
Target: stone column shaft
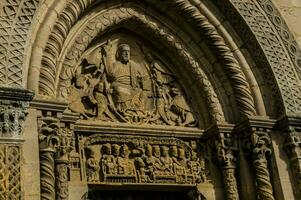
<point>255,133</point>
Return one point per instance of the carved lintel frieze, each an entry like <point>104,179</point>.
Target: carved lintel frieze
<point>13,110</point>
<point>291,131</point>
<point>142,160</point>
<point>225,149</point>
<point>255,133</point>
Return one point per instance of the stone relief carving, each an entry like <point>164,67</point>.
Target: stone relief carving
<point>13,114</point>
<point>117,88</point>
<point>225,149</point>
<point>133,159</point>
<point>112,18</point>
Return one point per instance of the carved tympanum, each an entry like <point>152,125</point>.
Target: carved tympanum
<point>110,85</point>
<point>129,159</point>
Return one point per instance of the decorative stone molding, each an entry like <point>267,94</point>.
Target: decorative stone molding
<point>225,149</point>
<point>15,22</point>
<point>255,134</point>
<point>216,43</point>
<point>291,131</point>
<point>283,30</point>
<point>253,19</point>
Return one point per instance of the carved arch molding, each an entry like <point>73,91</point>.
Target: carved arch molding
<point>151,94</point>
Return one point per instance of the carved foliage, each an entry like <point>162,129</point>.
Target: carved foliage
<point>131,159</point>
<point>56,142</point>
<point>257,144</point>
<point>12,117</point>
<point>10,177</point>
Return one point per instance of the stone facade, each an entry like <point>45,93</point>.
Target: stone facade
<point>148,99</point>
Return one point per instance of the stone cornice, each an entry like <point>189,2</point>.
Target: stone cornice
<point>49,105</point>
<point>16,94</point>
<point>255,122</point>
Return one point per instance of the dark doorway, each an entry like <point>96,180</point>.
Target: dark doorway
<point>137,195</point>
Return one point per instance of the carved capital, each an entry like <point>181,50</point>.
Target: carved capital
<point>225,148</point>
<point>255,133</point>
<point>13,109</point>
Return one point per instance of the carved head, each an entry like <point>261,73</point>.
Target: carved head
<point>123,53</point>
<point>181,153</point>
<point>149,150</point>
<point>125,151</point>
<point>115,149</point>
<point>107,149</point>
<point>194,156</point>
<point>156,150</point>
<point>164,151</point>
<point>174,151</point>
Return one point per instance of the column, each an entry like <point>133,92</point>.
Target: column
<point>256,141</point>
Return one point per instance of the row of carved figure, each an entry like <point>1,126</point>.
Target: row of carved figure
<point>148,164</point>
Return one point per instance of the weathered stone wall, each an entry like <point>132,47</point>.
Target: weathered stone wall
<point>291,11</point>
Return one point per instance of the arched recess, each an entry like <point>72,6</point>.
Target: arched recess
<point>233,91</point>
<point>224,79</point>
<point>69,15</point>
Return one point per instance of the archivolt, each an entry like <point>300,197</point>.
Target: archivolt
<point>215,41</point>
